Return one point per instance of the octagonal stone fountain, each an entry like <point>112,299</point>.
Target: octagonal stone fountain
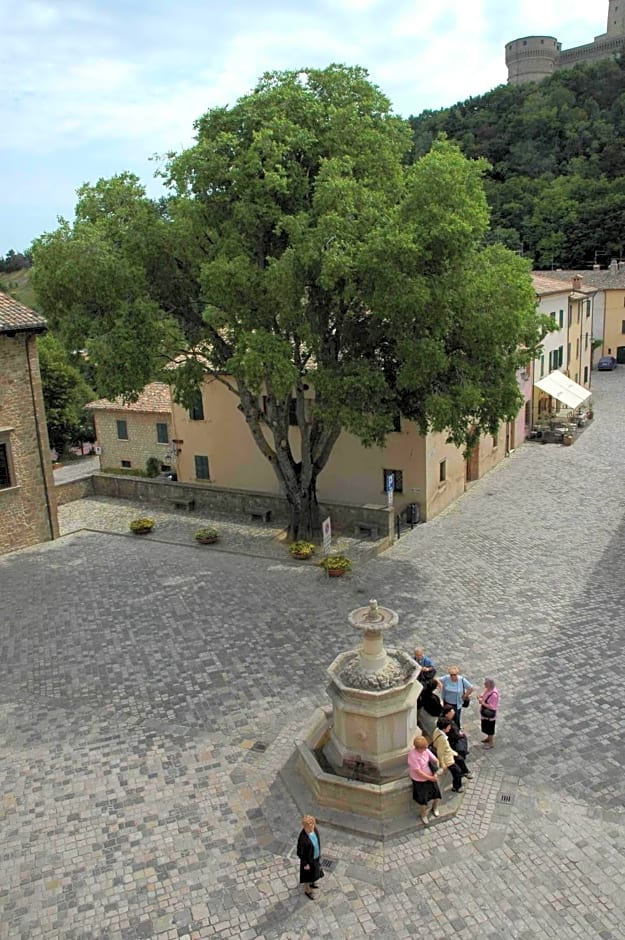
<point>349,766</point>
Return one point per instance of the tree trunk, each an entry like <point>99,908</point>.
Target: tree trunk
<point>304,518</point>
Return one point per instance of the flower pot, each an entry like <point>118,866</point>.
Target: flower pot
<point>567,440</point>
<point>302,556</point>
<point>141,531</point>
<point>207,539</point>
<point>336,572</point>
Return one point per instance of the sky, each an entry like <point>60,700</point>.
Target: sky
<point>91,88</point>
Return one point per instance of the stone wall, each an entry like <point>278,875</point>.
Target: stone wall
<point>141,443</point>
<point>345,518</point>
<point>73,490</point>
<point>28,505</point>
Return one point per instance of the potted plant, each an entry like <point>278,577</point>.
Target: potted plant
<point>335,565</point>
<point>567,440</point>
<point>142,526</point>
<point>206,535</point>
<point>302,550</point>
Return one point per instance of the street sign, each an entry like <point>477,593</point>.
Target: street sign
<point>390,488</point>
<point>326,528</point>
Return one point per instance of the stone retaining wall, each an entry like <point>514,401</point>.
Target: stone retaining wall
<point>236,502</point>
<point>73,490</point>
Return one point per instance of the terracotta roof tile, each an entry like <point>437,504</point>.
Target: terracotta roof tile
<point>155,398</point>
<point>14,316</point>
<point>602,279</point>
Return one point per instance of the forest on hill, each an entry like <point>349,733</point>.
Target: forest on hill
<point>556,154</point>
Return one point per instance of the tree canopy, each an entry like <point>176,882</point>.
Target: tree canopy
<point>556,149</point>
<point>299,247</point>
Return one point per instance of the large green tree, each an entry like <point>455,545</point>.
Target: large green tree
<point>300,248</point>
<point>65,393</point>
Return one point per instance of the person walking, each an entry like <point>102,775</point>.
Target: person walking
<point>425,788</point>
<point>455,691</point>
<point>489,703</point>
<point>309,854</point>
<point>446,755</point>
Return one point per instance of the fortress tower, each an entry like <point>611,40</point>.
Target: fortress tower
<point>616,18</point>
<point>533,58</point>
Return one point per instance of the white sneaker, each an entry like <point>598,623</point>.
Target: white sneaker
<point>425,821</point>
<point>436,813</point>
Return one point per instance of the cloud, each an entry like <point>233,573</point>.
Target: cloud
<point>93,87</point>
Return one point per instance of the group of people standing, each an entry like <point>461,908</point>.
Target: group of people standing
<point>441,744</point>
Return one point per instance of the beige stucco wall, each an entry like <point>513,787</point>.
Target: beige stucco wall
<point>613,335</point>
<point>27,509</point>
<point>141,442</point>
<point>354,474</point>
<point>580,342</point>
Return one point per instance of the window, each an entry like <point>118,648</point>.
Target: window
<point>201,467</point>
<point>586,341</point>
<point>560,356</point>
<point>587,308</point>
<point>162,433</point>
<point>577,348</point>
<point>398,479</point>
<point>553,315</point>
<point>568,352</point>
<point>196,411</point>
<point>542,366</point>
<point>585,374</point>
<point>442,471</point>
<point>126,464</point>
<point>122,430</point>
<point>528,413</point>
<point>561,319</point>
<point>570,315</point>
<point>6,476</point>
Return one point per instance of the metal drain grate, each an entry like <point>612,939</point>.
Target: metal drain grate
<point>506,798</point>
<point>258,746</point>
<point>328,863</point>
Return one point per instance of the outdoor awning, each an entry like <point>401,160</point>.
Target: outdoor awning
<point>559,386</point>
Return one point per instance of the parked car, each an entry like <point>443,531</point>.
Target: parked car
<point>606,364</point>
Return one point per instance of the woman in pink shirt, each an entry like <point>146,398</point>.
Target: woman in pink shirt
<point>425,788</point>
<point>489,703</point>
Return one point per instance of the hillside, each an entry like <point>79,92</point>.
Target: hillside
<point>556,185</point>
<point>17,283</point>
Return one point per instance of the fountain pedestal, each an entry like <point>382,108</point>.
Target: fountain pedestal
<point>349,767</point>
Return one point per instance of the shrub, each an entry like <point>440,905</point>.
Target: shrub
<point>335,563</point>
<point>152,467</point>
<point>208,532</point>
<point>143,524</point>
<point>302,548</point>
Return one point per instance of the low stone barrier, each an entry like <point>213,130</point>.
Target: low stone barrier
<point>244,503</point>
<point>73,490</point>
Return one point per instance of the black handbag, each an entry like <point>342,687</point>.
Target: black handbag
<point>466,701</point>
<point>488,713</point>
<point>433,767</point>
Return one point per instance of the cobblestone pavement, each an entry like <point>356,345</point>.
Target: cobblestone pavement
<point>137,676</point>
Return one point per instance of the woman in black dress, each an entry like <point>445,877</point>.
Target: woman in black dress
<point>309,854</point>
<point>429,708</point>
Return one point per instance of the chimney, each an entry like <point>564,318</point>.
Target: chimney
<point>577,282</point>
<point>613,266</point>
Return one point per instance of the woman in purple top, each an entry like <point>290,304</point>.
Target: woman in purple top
<point>489,703</point>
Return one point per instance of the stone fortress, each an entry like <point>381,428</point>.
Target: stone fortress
<point>533,58</point>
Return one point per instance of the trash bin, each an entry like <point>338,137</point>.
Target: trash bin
<point>413,513</point>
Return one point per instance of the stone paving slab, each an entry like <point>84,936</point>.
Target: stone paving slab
<point>137,675</point>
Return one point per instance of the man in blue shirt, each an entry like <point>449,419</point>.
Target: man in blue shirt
<point>428,669</point>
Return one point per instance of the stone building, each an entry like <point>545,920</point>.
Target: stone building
<point>27,501</point>
<point>533,58</point>
<point>128,434</point>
